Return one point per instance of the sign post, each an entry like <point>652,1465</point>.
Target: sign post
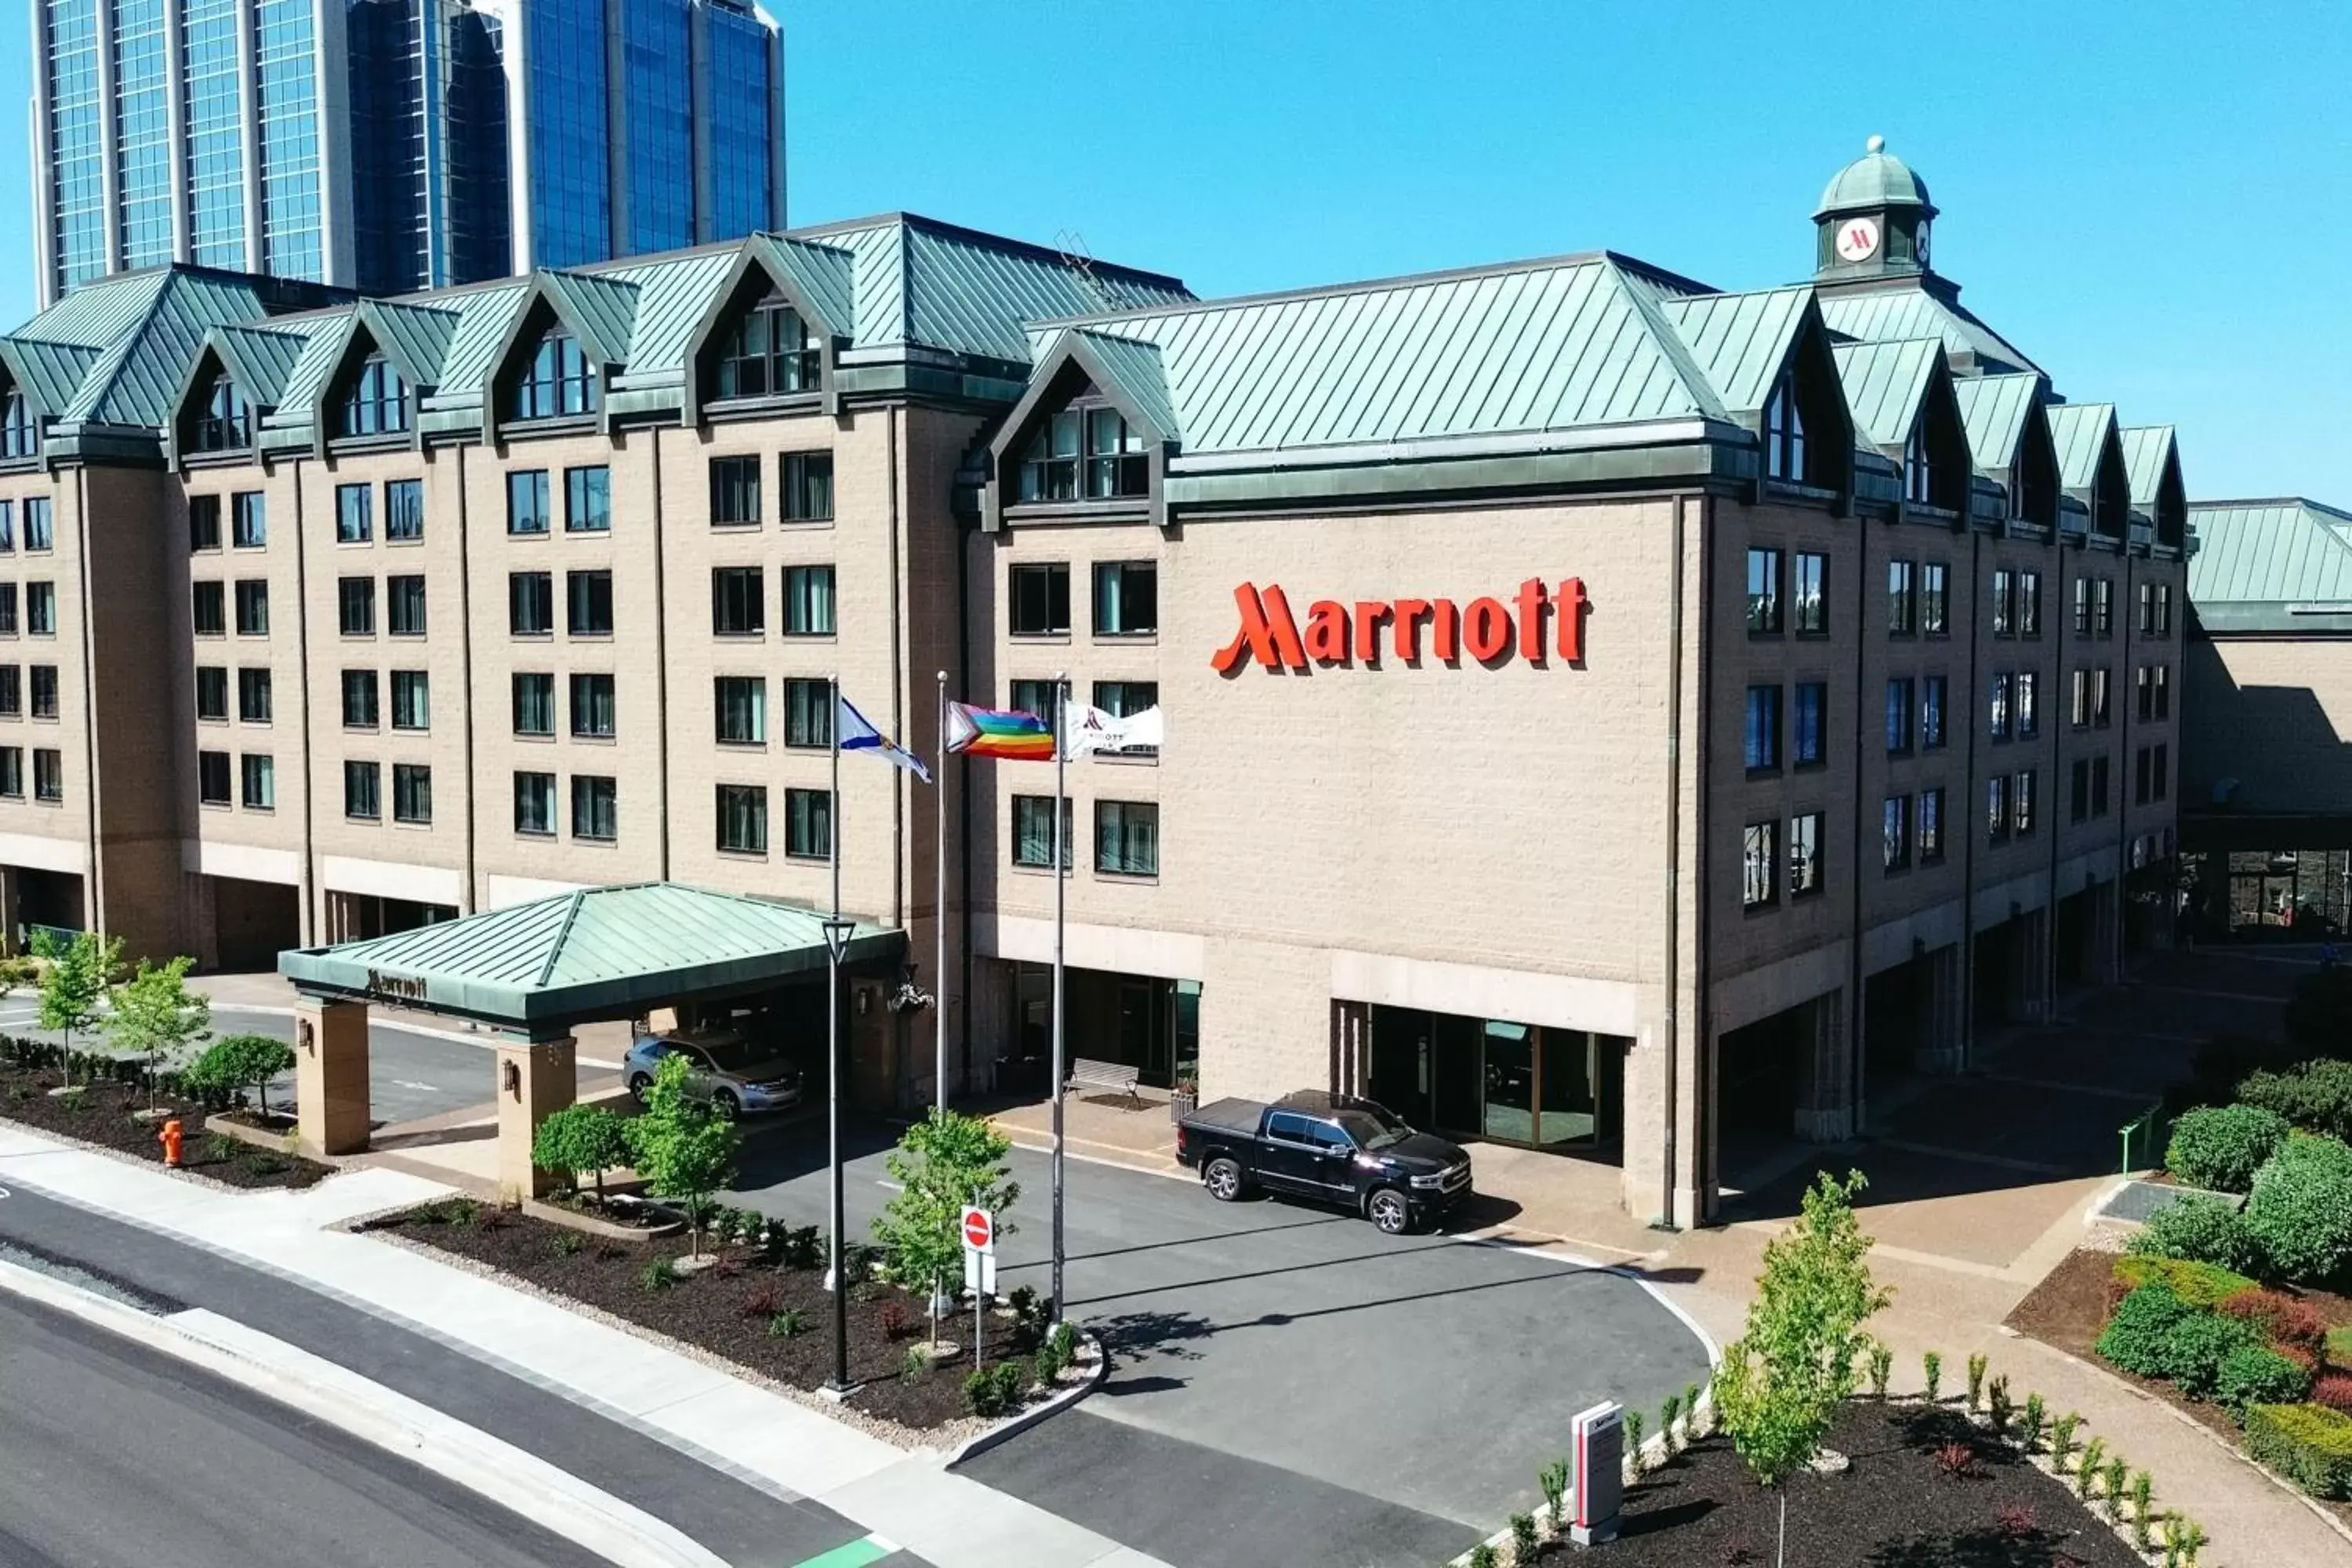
<point>1597,1443</point>
<point>978,1271</point>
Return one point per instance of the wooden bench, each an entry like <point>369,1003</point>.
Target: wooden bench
<point>1111,1076</point>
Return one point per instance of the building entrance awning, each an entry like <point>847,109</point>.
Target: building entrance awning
<point>538,969</point>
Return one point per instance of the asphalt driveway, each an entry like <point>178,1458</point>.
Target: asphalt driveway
<point>1287,1384</point>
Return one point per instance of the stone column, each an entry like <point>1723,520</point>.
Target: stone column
<point>536,1079</point>
<point>330,1076</point>
<point>2033,971</point>
<point>1943,1034</point>
<point>1825,1099</point>
<point>1352,1047</point>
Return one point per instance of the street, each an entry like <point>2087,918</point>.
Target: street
<point>119,1458</point>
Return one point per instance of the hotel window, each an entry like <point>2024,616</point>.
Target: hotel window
<point>8,525</point>
<point>1035,697</point>
<point>50,777</point>
<point>1935,598</point>
<point>9,609</point>
<point>534,704</point>
<point>412,793</point>
<point>2159,614</point>
<point>734,491</point>
<point>1763,592</point>
<point>253,608</point>
<point>2078,791</point>
<point>2154,691</point>
<point>354,514</point>
<point>1127,598</point>
<point>1918,467</point>
<point>2029,717</point>
<point>2162,773</point>
<point>1124,699</point>
<point>1049,465</point>
<point>1784,433</point>
<point>39,534</point>
<point>405,606</point>
<point>588,500</point>
<point>2081,607</point>
<point>43,679</point>
<point>1760,870</point>
<point>2004,609</point>
<point>741,703</point>
<point>2021,803</point>
<point>2150,771</point>
<point>738,602</point>
<point>253,696</point>
<point>808,824</point>
<point>360,692</point>
<point>205,609</point>
<point>2098,787</point>
<point>808,486</point>
<point>534,804</point>
<point>593,716</point>
<point>2103,606</point>
<point>12,772</point>
<point>1902,598</point>
<point>41,609</point>
<point>1809,595</point>
<point>588,597</point>
<point>531,603</point>
<point>363,791</point>
<point>558,380</point>
<point>203,523</point>
<point>1997,709</point>
<point>1931,825</point>
<point>2081,710</point>
<point>808,601</point>
<point>248,514</point>
<point>768,352</point>
<point>1996,808</point>
<point>20,433</point>
<point>1899,703</point>
<point>528,507</point>
<point>1894,822</point>
<point>1033,831</point>
<point>412,700</point>
<point>377,403</point>
<point>1808,726</point>
<point>1762,745</point>
<point>1117,465</point>
<point>2139,777</point>
<point>12,692</point>
<point>808,714</point>
<point>743,813</point>
<point>355,606</point>
<point>1041,600</point>
<point>2029,604</point>
<point>212,777</point>
<point>1931,712</point>
<point>2099,707</point>
<point>1804,854</point>
<point>259,782</point>
<point>212,691</point>
<point>1127,839</point>
<point>595,808</point>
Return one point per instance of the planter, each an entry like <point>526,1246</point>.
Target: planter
<point>573,1219</point>
<point>224,1123</point>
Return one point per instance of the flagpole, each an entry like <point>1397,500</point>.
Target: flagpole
<point>940,911</point>
<point>840,1384</point>
<point>1061,881</point>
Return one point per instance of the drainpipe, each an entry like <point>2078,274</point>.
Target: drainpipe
<point>310,879</point>
<point>93,902</point>
<point>2127,608</point>
<point>2046,962</point>
<point>1670,1031</point>
<point>899,778</point>
<point>466,674</point>
<point>962,538</point>
<point>661,666</point>
<point>1862,736</point>
<point>1964,1047</point>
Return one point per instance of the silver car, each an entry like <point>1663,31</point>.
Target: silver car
<point>736,1076</point>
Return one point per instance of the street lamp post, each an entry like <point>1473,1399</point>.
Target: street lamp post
<point>837,933</point>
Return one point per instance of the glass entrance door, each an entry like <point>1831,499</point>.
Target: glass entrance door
<point>1564,1088</point>
<point>1510,1082</point>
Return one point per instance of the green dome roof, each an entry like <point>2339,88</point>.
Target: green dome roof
<point>1876,179</point>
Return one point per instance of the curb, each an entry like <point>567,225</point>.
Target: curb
<point>1070,1150</point>
<point>503,1475</point>
<point>974,1446</point>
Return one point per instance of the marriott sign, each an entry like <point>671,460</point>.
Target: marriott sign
<point>1488,630</point>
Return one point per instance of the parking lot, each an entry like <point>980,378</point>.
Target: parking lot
<point>1287,1384</point>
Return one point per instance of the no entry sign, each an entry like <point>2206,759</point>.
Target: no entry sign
<point>979,1231</point>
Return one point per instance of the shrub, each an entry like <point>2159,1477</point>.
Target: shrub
<point>1483,1556</point>
<point>1956,1460</point>
<point>1552,1481</point>
<point>659,1275</point>
<point>1666,1414</point>
<point>581,1138</point>
<point>683,1148</point>
<point>1633,1438</point>
<point>2113,1485</point>
<point>2139,1338</point>
<point>894,1319</point>
<point>2197,1284</point>
<point>236,1062</point>
<point>1523,1538</point>
<point>2252,1374</point>
<point>915,1365</point>
<point>1975,1381</point>
<point>2062,1440</point>
<point>2283,1320</point>
<point>1690,1410</point>
<point>2308,1444</point>
<point>2316,1096</point>
<point>764,1302</point>
<point>1011,1378</point>
<point>2199,1229</point>
<point>789,1324</point>
<point>2142,1485</point>
<point>1882,1368</point>
<point>2198,1346</point>
<point>1998,1405</point>
<point>2300,1212</point>
<point>2222,1146</point>
<point>1932,1366</point>
<point>982,1394</point>
<point>803,1247</point>
<point>2333,1389</point>
<point>1047,1365</point>
<point>2017,1522</point>
<point>2094,1453</point>
<point>2036,1419</point>
<point>568,1242</point>
<point>1065,1340</point>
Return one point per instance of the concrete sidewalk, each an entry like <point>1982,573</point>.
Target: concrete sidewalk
<point>720,1419</point>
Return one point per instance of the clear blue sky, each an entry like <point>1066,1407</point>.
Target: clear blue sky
<point>2154,199</point>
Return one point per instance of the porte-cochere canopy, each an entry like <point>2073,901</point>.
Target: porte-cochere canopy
<point>539,968</point>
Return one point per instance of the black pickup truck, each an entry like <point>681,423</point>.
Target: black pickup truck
<point>1327,1148</point>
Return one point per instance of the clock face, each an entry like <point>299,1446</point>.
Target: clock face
<point>1857,238</point>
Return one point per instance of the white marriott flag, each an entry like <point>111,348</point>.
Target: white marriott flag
<point>1092,729</point>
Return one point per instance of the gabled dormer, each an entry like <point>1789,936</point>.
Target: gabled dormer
<point>2009,440</point>
<point>568,338</point>
<point>1766,357</point>
<point>234,381</point>
<point>1900,394</point>
<point>1092,436</point>
<point>2152,457</point>
<point>769,336</point>
<point>2090,465</point>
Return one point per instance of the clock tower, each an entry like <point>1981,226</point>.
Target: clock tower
<point>1873,219</point>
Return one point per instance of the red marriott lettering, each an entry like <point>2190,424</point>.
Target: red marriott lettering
<point>1486,629</point>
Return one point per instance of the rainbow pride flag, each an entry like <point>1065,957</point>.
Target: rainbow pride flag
<point>997,733</point>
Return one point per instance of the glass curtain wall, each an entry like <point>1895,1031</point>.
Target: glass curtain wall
<point>571,179</point>
<point>143,121</point>
<point>216,133</point>
<point>656,50</point>
<point>77,133</point>
<point>741,145</point>
<point>388,159</point>
<point>285,97</point>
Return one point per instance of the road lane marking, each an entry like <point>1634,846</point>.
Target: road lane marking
<point>424,1088</point>
<point>854,1554</point>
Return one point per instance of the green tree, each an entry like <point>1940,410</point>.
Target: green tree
<point>75,983</point>
<point>683,1149</point>
<point>154,1015</point>
<point>944,1162</point>
<point>1783,1381</point>
<point>581,1138</point>
<point>241,1061</point>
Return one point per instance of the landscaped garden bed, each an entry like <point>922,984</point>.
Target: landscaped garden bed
<point>106,1112</point>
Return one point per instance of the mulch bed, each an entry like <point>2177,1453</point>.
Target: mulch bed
<point>724,1310</point>
<point>1896,1507</point>
<point>101,1114</point>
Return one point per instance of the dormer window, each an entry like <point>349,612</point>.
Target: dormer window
<point>1049,469</point>
<point>558,380</point>
<point>377,403</point>
<point>20,434</point>
<point>1088,450</point>
<point>1918,468</point>
<point>770,352</point>
<point>1116,463</point>
<point>226,423</point>
<point>1785,456</point>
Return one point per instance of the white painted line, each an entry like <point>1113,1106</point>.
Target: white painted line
<point>427,1087</point>
<point>507,1475</point>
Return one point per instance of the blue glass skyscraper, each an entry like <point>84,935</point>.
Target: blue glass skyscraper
<point>388,145</point>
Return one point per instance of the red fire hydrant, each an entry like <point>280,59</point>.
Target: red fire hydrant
<point>169,1139</point>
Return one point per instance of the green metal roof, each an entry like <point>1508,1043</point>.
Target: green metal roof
<point>48,373</point>
<point>672,297</point>
<point>1995,409</point>
<point>2148,450</point>
<point>1876,179</point>
<point>2081,431</point>
<point>413,337</point>
<point>604,308</point>
<point>1886,385</point>
<point>1739,342</point>
<point>1918,307</point>
<point>1134,369</point>
<point>600,952</point>
<point>2268,555</point>
<point>259,358</point>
